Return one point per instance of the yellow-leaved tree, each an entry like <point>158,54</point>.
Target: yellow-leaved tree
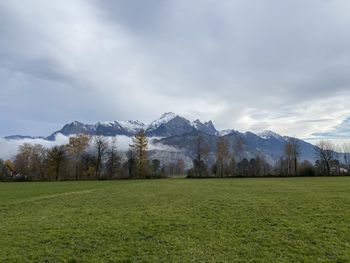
<point>139,147</point>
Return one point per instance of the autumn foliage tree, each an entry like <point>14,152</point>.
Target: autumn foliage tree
<point>139,148</point>
<point>8,169</point>
<point>30,161</point>
<point>77,146</point>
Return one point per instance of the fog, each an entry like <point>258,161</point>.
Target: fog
<point>9,148</point>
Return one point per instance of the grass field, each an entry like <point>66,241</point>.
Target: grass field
<point>177,220</point>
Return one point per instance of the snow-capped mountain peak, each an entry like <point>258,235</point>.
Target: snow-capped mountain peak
<point>166,117</point>
<point>196,122</point>
<point>132,126</point>
<point>267,134</point>
<point>226,132</point>
<point>106,123</point>
<point>119,127</point>
<point>207,127</point>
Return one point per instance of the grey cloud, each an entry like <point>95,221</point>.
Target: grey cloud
<point>316,121</point>
<point>245,64</point>
<point>138,16</point>
<point>341,131</point>
<point>40,68</point>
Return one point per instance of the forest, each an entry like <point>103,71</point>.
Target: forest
<point>98,158</point>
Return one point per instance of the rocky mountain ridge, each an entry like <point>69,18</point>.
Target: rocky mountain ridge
<point>180,133</point>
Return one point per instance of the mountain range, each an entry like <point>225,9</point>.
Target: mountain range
<point>181,134</point>
<point>169,124</point>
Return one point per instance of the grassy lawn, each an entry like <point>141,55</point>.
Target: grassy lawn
<point>177,220</point>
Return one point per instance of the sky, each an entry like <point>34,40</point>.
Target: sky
<point>248,65</point>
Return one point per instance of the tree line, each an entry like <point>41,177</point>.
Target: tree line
<point>98,158</point>
<point>85,158</point>
<point>234,163</point>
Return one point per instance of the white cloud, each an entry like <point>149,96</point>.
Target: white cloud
<point>9,148</point>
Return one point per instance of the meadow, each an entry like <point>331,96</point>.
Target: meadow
<point>177,220</point>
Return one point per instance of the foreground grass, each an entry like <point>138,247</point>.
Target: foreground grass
<point>177,220</point>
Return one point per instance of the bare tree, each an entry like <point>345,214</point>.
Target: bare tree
<point>238,147</point>
<point>22,159</point>
<point>101,146</point>
<point>180,167</point>
<point>113,161</point>
<point>131,155</point>
<point>288,151</point>
<point>221,156</point>
<point>325,151</point>
<point>237,151</point>
<point>56,158</point>
<point>201,150</point>
<point>346,154</point>
<point>292,152</point>
<point>232,166</point>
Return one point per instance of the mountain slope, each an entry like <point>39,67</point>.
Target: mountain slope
<point>128,128</point>
<point>176,131</point>
<point>207,127</point>
<point>169,124</point>
<point>271,148</point>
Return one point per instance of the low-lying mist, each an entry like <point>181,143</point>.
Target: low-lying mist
<point>9,148</point>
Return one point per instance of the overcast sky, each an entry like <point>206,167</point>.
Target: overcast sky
<point>248,65</point>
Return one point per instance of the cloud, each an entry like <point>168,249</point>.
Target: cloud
<point>9,148</point>
<point>247,65</point>
<point>341,131</point>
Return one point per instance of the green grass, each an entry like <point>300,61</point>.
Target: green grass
<point>177,220</point>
